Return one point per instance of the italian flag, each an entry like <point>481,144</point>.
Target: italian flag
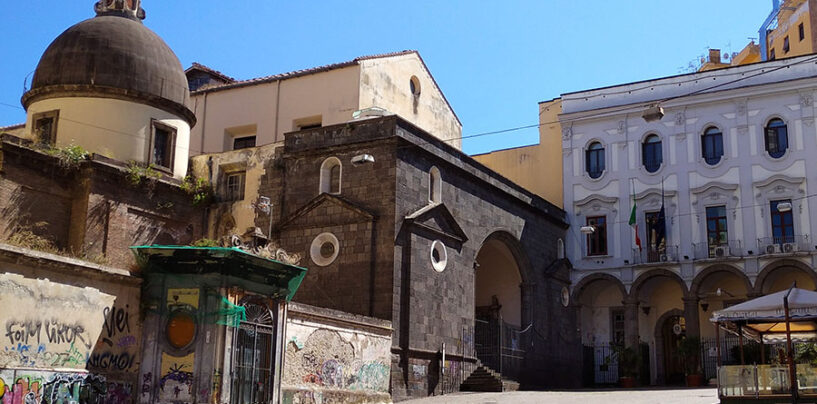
<point>634,225</point>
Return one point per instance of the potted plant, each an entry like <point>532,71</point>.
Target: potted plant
<point>690,350</point>
<point>628,359</point>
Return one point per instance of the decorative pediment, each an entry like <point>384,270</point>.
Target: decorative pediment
<point>779,184</point>
<point>714,191</point>
<point>315,213</point>
<point>438,220</point>
<point>596,203</point>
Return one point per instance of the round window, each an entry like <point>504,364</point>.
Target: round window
<point>439,256</point>
<point>181,329</point>
<point>324,249</point>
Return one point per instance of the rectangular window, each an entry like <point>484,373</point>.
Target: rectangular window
<point>162,145</point>
<point>235,186</point>
<point>616,326</point>
<point>782,222</point>
<point>786,45</point>
<point>311,122</point>
<point>802,31</point>
<point>243,142</point>
<point>45,127</point>
<point>597,241</point>
<point>716,231</point>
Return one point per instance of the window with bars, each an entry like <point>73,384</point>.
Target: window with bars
<point>254,356</point>
<point>163,143</point>
<point>45,127</point>
<point>716,226</point>
<point>616,326</point>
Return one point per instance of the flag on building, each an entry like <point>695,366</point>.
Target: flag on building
<point>634,224</point>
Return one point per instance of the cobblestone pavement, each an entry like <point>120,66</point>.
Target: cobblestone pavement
<point>639,396</point>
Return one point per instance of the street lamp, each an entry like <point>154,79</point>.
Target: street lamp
<point>588,229</point>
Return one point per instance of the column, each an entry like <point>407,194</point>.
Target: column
<point>693,324</point>
<point>631,322</point>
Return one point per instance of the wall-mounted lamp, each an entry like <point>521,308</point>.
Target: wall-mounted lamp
<point>784,207</point>
<point>646,310</point>
<point>720,292</point>
<point>654,113</point>
<point>588,229</point>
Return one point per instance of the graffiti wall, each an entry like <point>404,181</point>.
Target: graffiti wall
<point>42,387</point>
<point>48,325</point>
<point>342,360</point>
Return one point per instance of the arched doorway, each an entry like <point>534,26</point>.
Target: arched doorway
<point>601,318</point>
<point>669,330</point>
<point>498,305</point>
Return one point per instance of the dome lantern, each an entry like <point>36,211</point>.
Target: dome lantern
<point>124,8</point>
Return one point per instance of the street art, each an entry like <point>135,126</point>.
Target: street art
<point>57,328</point>
<point>325,359</point>
<point>147,383</point>
<point>52,388</point>
<point>117,348</point>
<point>176,382</point>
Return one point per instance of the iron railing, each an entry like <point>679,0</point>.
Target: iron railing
<point>705,250</point>
<point>650,255</point>
<point>783,244</point>
<point>499,346</point>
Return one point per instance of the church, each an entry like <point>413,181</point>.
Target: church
<point>361,256</point>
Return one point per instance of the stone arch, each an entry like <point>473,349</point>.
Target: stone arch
<point>660,371</point>
<point>775,265</point>
<point>706,272</point>
<point>507,244</point>
<point>654,273</point>
<point>587,280</point>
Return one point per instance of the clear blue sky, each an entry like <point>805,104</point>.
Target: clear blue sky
<point>495,60</point>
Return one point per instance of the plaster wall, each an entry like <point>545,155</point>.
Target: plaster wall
<point>793,13</point>
<point>340,359</point>
<point>271,109</point>
<point>385,83</point>
<point>113,128</point>
<point>498,275</point>
<point>596,306</point>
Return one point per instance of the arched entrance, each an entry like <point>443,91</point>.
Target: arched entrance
<point>779,275</point>
<point>659,294</point>
<point>498,305</point>
<point>599,300</point>
<point>669,330</point>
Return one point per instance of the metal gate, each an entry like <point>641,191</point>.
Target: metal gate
<point>499,346</point>
<point>253,357</point>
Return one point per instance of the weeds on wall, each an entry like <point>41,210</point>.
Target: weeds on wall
<point>26,236</point>
<point>205,242</point>
<point>68,156</point>
<point>137,173</point>
<point>199,189</point>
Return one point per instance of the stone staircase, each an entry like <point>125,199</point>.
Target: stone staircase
<point>484,379</point>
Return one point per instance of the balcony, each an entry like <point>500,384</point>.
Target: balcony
<point>705,250</point>
<point>783,245</point>
<point>668,254</point>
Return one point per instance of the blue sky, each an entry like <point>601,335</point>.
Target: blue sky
<point>495,60</point>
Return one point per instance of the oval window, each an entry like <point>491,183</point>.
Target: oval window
<point>181,329</point>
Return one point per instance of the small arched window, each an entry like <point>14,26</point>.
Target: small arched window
<point>651,153</point>
<point>777,138</point>
<point>594,157</point>
<point>331,172</point>
<point>712,145</point>
<point>434,185</point>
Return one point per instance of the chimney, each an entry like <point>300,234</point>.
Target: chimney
<point>715,56</point>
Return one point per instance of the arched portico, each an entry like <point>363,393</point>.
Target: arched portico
<point>714,288</point>
<point>778,275</point>
<point>599,299</point>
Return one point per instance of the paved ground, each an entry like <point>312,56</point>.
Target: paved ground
<point>637,396</point>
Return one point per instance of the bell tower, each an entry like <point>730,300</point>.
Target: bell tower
<point>124,8</point>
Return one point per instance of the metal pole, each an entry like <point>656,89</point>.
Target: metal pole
<point>718,341</point>
<point>762,350</point>
<point>740,341</point>
<point>789,355</point>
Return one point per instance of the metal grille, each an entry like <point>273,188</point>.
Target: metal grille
<point>499,346</point>
<point>253,357</point>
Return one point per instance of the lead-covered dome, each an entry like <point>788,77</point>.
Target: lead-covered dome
<point>113,55</point>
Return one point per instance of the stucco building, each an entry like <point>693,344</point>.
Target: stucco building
<point>719,194</point>
<point>235,114</point>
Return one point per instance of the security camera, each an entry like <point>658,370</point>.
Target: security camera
<point>362,159</point>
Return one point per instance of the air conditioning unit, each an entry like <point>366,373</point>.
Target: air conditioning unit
<point>790,247</point>
<point>721,251</point>
<point>773,249</point>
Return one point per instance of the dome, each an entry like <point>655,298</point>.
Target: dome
<point>112,56</point>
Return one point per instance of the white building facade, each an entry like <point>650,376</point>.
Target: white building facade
<point>733,162</point>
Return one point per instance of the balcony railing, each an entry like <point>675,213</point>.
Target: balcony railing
<point>651,255</point>
<point>783,245</point>
<point>705,250</point>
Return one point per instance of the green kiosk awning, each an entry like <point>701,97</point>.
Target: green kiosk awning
<point>227,261</point>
